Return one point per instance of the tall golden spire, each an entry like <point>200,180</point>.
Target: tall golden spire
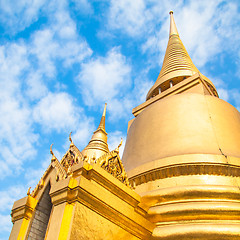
<point>177,64</point>
<point>98,144</point>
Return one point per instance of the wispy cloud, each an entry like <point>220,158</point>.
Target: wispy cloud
<point>110,79</point>
<point>104,78</point>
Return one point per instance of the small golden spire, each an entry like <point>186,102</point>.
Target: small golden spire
<point>98,144</point>
<point>173,28</point>
<point>102,122</point>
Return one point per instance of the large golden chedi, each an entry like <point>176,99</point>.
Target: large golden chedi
<point>182,153</point>
<point>179,178</point>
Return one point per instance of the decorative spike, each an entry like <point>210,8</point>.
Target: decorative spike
<point>51,151</point>
<point>28,192</point>
<point>120,144</point>
<point>70,139</point>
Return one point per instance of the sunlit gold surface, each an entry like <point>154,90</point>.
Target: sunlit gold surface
<point>183,124</point>
<point>182,153</point>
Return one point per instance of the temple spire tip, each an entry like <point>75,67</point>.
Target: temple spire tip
<point>102,122</point>
<point>104,110</point>
<point>173,28</point>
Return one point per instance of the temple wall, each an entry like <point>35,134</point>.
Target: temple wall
<point>88,225</point>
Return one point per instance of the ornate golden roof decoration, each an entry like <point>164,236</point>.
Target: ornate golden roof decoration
<point>112,163</point>
<point>70,138</point>
<point>61,173</point>
<point>73,156</point>
<point>40,184</point>
<point>120,144</point>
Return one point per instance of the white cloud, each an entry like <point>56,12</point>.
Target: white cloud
<point>7,198</point>
<point>45,49</point>
<point>17,15</point>
<point>102,79</point>
<point>204,37</point>
<point>36,88</point>
<point>84,6</point>
<point>16,135</point>
<point>127,15</point>
<point>59,41</point>
<point>56,111</point>
<point>25,70</point>
<point>109,79</point>
<point>6,224</point>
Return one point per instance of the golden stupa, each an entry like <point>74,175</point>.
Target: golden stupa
<point>178,178</point>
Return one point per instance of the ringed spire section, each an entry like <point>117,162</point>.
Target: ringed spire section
<point>177,64</point>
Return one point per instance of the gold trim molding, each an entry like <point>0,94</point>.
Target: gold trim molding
<point>185,169</point>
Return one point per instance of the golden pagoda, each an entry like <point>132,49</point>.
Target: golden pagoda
<point>183,153</point>
<point>179,177</point>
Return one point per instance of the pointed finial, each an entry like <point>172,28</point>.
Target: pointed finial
<point>173,28</point>
<point>119,145</point>
<point>104,110</point>
<point>51,151</point>
<point>28,192</point>
<point>70,139</point>
<point>102,122</point>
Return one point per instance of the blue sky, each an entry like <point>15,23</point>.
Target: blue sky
<point>60,61</point>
